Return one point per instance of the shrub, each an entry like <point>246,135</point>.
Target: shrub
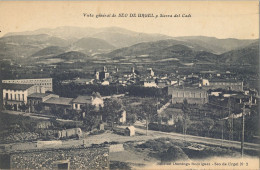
<point>172,154</point>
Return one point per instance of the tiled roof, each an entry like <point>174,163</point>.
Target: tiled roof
<point>16,86</point>
<point>59,101</point>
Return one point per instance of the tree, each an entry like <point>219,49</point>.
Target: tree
<point>185,118</point>
<point>8,106</point>
<point>58,112</point>
<point>112,110</point>
<point>38,107</point>
<point>208,124</point>
<point>23,107</point>
<point>149,111</point>
<point>91,119</point>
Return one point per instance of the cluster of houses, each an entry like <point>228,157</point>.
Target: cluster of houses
<point>17,93</point>
<point>36,91</point>
<point>195,88</point>
<point>145,78</point>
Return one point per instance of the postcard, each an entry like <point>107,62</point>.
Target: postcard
<point>129,85</point>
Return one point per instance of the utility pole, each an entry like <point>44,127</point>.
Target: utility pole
<point>222,134</point>
<point>146,125</point>
<point>243,131</point>
<point>147,122</point>
<point>232,116</point>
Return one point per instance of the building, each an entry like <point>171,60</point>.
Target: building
<point>161,83</point>
<point>228,84</point>
<point>83,81</point>
<point>58,103</point>
<point>102,75</point>
<point>81,101</point>
<point>16,94</point>
<point>148,83</point>
<point>130,131</point>
<point>174,81</point>
<point>44,84</point>
<point>105,83</point>
<point>192,95</point>
<point>150,72</point>
<point>37,98</point>
<point>73,132</point>
<point>171,115</point>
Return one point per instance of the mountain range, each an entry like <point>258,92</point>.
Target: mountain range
<point>116,43</point>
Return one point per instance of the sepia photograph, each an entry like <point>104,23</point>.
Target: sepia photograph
<point>129,85</point>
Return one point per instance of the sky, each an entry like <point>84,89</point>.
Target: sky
<point>221,19</point>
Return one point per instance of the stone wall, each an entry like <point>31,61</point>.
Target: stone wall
<point>77,158</point>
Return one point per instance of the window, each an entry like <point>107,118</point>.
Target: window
<point>19,97</point>
<point>11,96</point>
<point>6,96</point>
<point>22,97</point>
<point>14,96</point>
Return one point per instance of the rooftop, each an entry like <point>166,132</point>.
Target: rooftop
<point>188,89</point>
<point>30,79</point>
<point>225,80</point>
<point>82,99</point>
<point>59,101</point>
<point>16,86</point>
<point>83,80</point>
<point>39,95</point>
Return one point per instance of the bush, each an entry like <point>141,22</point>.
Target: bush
<point>163,128</point>
<point>172,154</point>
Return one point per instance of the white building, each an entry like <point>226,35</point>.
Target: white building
<point>81,101</point>
<point>16,94</point>
<point>149,83</point>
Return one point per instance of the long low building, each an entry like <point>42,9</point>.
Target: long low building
<point>192,95</point>
<point>228,84</point>
<point>37,98</point>
<point>44,83</point>
<point>61,102</point>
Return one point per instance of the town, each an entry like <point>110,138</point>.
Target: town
<point>208,104</point>
<point>111,98</point>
